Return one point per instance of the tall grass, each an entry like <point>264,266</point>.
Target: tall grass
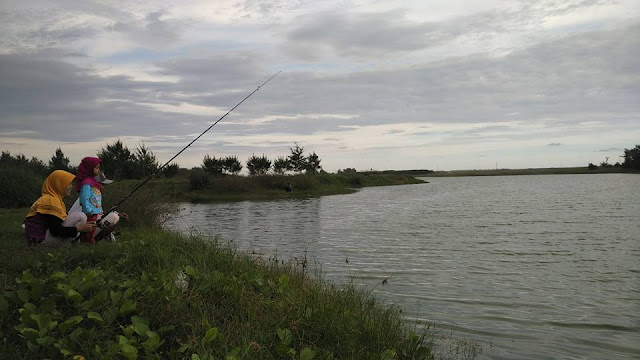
<point>145,207</point>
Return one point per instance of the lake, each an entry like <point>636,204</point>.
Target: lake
<point>531,267</point>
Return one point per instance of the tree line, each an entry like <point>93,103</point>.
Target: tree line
<point>261,165</point>
<point>631,160</point>
<point>119,162</point>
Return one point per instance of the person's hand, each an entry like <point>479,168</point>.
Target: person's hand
<point>124,216</point>
<point>86,227</point>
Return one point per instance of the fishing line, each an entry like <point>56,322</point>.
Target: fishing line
<point>184,148</point>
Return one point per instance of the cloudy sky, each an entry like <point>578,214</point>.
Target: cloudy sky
<point>369,84</point>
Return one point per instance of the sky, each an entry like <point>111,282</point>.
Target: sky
<point>365,84</point>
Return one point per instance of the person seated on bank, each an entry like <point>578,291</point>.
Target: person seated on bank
<point>47,221</point>
<point>90,192</point>
<point>106,224</point>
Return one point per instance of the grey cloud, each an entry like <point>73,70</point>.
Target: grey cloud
<point>554,144</point>
<point>150,32</point>
<point>390,34</point>
<point>357,34</point>
<point>587,77</point>
<point>57,100</point>
<point>391,132</point>
<point>29,29</point>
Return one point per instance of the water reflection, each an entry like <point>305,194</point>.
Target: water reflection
<point>276,228</point>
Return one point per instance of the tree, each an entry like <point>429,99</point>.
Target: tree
<point>313,164</point>
<point>232,165</point>
<point>212,165</point>
<point>171,170</point>
<point>296,160</point>
<point>145,161</point>
<point>258,165</point>
<point>39,166</point>
<point>280,165</point>
<point>8,161</point>
<point>118,161</point>
<point>59,161</point>
<point>632,158</point>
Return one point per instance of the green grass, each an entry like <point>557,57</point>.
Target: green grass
<point>158,295</point>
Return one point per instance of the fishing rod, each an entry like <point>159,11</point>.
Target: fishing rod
<point>184,148</point>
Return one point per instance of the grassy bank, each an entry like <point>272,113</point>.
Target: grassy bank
<point>158,295</point>
<point>268,187</point>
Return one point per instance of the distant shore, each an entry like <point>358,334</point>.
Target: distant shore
<point>503,172</point>
<point>230,188</point>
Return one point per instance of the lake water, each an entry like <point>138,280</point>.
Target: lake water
<point>532,267</point>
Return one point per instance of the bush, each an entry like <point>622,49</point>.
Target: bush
<point>171,170</point>
<point>19,187</point>
<point>632,158</point>
<point>212,165</point>
<point>144,207</point>
<point>198,179</point>
<point>258,165</point>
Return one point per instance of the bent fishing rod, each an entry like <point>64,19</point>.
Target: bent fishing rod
<point>141,184</point>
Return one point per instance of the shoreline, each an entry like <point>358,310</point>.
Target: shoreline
<point>509,172</point>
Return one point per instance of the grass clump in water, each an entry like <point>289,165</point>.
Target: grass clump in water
<point>155,294</point>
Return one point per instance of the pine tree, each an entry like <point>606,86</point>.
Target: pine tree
<point>59,161</point>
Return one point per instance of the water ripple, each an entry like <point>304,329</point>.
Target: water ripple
<point>535,267</point>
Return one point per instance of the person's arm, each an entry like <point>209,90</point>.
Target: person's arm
<point>54,224</point>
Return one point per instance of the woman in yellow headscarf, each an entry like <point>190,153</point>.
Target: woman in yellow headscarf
<point>47,221</point>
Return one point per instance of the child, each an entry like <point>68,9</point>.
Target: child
<point>47,221</point>
<point>90,195</point>
<point>106,224</point>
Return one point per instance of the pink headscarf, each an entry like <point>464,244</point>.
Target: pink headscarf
<point>85,173</point>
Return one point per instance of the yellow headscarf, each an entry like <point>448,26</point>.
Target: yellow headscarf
<point>53,190</point>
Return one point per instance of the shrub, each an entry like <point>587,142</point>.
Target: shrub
<point>171,170</point>
<point>144,207</point>
<point>212,165</point>
<point>356,181</point>
<point>280,165</point>
<point>258,165</point>
<point>232,165</point>
<point>198,179</point>
<point>19,187</point>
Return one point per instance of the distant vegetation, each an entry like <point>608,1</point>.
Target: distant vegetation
<point>631,160</point>
<point>216,179</point>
